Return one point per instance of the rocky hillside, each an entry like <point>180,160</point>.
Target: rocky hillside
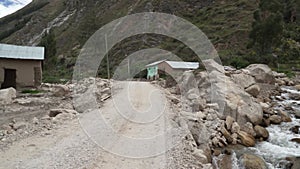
<point>67,24</point>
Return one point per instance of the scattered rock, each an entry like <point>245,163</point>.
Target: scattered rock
<point>279,75</point>
<point>61,90</point>
<point>294,96</point>
<point>224,162</point>
<point>253,90</point>
<point>213,106</point>
<point>199,155</point>
<point>226,134</point>
<point>275,119</point>
<point>234,137</point>
<point>64,116</point>
<point>285,116</point>
<point>217,152</point>
<point>19,125</point>
<point>248,128</point>
<point>35,120</point>
<point>295,129</point>
<point>297,87</point>
<point>280,82</point>
<point>261,132</point>
<point>250,161</point>
<point>297,140</point>
<point>264,105</point>
<point>235,128</point>
<point>229,121</point>
<point>174,99</point>
<point>55,112</point>
<point>297,114</point>
<point>199,132</point>
<point>266,122</point>
<point>296,163</point>
<point>246,139</point>
<point>7,95</point>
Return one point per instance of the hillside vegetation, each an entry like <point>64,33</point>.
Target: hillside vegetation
<point>63,26</point>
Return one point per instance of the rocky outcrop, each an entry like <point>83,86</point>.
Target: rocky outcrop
<point>262,73</point>
<point>232,99</point>
<point>7,95</point>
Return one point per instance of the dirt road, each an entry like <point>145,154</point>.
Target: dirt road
<point>126,133</point>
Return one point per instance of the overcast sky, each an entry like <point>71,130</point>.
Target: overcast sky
<point>10,6</point>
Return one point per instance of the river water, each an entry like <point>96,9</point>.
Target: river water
<point>278,147</point>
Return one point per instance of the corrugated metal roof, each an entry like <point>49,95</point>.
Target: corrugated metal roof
<point>183,65</point>
<point>155,63</point>
<point>21,52</point>
<point>177,65</point>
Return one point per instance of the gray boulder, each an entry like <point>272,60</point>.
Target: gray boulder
<point>243,80</point>
<point>262,73</point>
<point>7,95</point>
<point>211,65</point>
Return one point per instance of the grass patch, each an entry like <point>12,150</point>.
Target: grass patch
<point>31,91</point>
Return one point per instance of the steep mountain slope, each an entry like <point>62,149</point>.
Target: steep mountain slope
<point>72,22</point>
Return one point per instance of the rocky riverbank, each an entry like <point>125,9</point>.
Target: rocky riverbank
<point>226,109</point>
<point>232,116</point>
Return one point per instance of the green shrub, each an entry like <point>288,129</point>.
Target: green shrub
<point>31,91</point>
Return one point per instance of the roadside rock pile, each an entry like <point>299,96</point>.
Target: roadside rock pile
<point>25,114</point>
<point>91,93</point>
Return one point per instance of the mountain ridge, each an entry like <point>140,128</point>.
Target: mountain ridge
<point>71,22</point>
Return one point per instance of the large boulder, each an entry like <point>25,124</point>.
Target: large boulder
<point>262,73</point>
<point>188,82</point>
<point>233,101</point>
<point>7,95</point>
<point>250,161</point>
<point>243,80</point>
<point>215,87</point>
<point>211,65</point>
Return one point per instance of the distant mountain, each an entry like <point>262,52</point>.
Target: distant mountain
<point>72,22</point>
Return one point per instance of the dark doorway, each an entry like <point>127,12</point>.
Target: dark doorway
<point>9,78</point>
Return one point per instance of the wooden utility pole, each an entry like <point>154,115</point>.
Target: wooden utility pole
<point>107,60</point>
